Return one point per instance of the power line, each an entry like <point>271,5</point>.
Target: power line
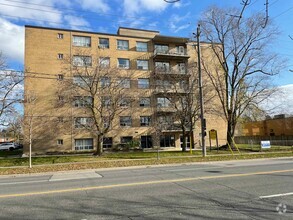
<point>68,9</point>
<point>283,12</point>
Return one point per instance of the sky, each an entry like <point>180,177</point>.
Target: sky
<point>178,19</point>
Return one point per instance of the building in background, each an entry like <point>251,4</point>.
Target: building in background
<point>147,63</point>
<point>279,125</point>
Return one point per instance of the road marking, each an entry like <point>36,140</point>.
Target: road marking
<point>142,183</point>
<point>276,195</point>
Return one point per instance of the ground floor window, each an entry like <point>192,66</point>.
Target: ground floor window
<point>146,141</point>
<point>125,139</point>
<point>167,140</point>
<point>187,141</point>
<point>84,144</point>
<point>107,142</point>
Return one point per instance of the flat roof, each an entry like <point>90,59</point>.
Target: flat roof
<point>137,29</point>
<point>157,37</point>
<point>82,31</point>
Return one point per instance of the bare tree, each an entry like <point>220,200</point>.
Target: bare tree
<point>243,62</point>
<point>99,89</point>
<point>10,90</point>
<point>180,88</point>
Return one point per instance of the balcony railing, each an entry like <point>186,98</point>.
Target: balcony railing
<point>162,71</point>
<point>171,52</point>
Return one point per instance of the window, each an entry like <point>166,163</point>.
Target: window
<point>82,60</point>
<point>181,50</point>
<point>125,121</point>
<point>162,66</point>
<point>105,82</point>
<point>142,64</point>
<point>167,141</point>
<point>123,63</point>
<point>145,102</point>
<point>143,83</point>
<point>183,84</point>
<point>83,122</point>
<point>161,48</point>
<point>122,45</point>
<point>165,120</point>
<point>60,56</point>
<point>146,141</point>
<point>125,102</point>
<point>106,101</point>
<point>163,84</point>
<point>145,120</point>
<point>83,101</point>
<point>104,43</point>
<point>104,62</point>
<point>60,76</point>
<point>82,81</point>
<point>81,41</point>
<point>163,102</point>
<point>84,144</point>
<point>126,139</point>
<point>142,46</point>
<point>60,142</point>
<point>107,142</point>
<point>60,36</point>
<point>124,83</point>
<point>181,68</point>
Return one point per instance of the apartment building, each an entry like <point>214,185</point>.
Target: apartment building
<point>145,64</point>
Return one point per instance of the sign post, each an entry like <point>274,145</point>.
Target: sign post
<point>213,136</point>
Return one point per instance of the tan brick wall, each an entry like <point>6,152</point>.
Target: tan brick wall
<point>43,66</point>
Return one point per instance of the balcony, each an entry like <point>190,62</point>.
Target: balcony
<point>165,71</point>
<point>161,90</point>
<point>173,54</point>
<point>165,109</point>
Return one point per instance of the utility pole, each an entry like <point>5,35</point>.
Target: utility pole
<point>202,119</point>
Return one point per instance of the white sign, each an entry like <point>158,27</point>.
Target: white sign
<point>265,144</point>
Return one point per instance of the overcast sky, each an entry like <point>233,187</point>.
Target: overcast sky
<point>178,19</point>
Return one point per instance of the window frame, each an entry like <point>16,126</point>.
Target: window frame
<point>123,123</point>
<point>103,45</point>
<point>83,146</point>
<point>122,47</point>
<point>145,98</point>
<point>143,86</point>
<point>123,66</point>
<point>82,62</point>
<point>81,43</point>
<point>145,121</point>
<point>143,66</point>
<point>141,49</point>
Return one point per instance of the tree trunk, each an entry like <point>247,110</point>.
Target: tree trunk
<point>230,134</point>
<point>184,140</point>
<point>99,151</point>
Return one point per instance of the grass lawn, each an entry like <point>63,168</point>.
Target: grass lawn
<point>91,162</point>
<point>139,156</point>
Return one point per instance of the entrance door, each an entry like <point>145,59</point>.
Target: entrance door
<point>146,141</point>
<point>187,142</point>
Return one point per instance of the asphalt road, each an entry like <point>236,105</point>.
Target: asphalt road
<point>254,189</point>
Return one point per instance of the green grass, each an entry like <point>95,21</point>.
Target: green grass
<point>49,160</point>
<point>103,162</point>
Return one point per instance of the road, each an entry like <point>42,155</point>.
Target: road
<point>252,189</point>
